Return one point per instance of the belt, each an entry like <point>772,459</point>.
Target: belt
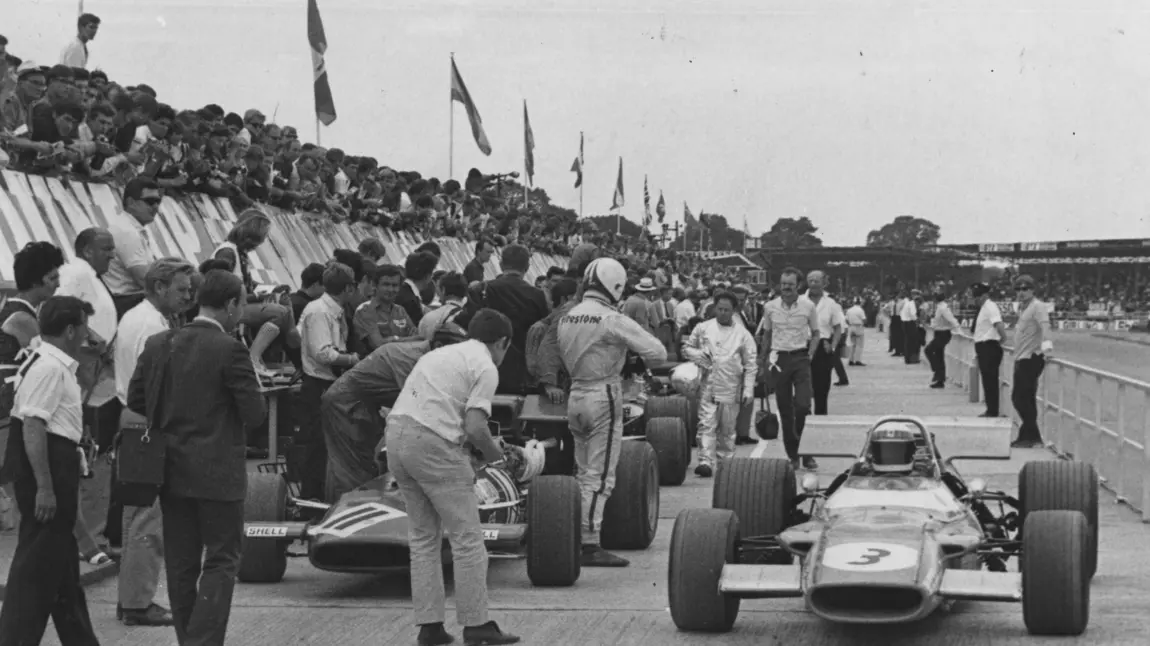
<point>795,351</point>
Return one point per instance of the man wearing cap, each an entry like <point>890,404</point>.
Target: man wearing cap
<point>989,331</point>
<point>637,307</point>
<point>1031,347</point>
<point>16,108</point>
<point>253,126</point>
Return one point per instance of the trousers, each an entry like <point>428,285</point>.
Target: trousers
<point>142,556</point>
<point>44,576</point>
<point>858,340</point>
<point>989,355</point>
<point>595,418</point>
<point>936,354</point>
<point>1024,395</point>
<point>202,559</point>
<point>912,341</point>
<point>822,366</point>
<point>896,335</point>
<point>308,461</point>
<point>792,384</point>
<point>437,482</point>
<point>717,429</point>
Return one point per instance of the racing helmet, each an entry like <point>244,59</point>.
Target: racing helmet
<point>606,276</point>
<point>687,378</point>
<point>526,462</point>
<point>892,449</point>
<point>498,496</point>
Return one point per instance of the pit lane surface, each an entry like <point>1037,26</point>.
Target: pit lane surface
<point>628,606</point>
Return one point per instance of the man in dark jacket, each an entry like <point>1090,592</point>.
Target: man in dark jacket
<point>196,385</point>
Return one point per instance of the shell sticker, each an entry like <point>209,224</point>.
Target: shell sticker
<point>870,557</point>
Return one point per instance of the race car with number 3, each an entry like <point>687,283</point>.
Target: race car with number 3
<point>894,537</point>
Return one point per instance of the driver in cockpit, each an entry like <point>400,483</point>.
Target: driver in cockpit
<point>898,449</point>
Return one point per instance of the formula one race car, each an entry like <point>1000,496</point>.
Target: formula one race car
<point>537,517</point>
<point>894,537</point>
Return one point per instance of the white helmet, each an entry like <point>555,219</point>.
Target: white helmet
<point>607,276</point>
<point>687,378</point>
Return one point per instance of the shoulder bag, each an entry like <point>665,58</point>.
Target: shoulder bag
<point>766,422</point>
<point>141,449</point>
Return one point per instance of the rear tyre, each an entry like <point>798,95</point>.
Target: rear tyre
<point>668,437</point>
<point>702,542</point>
<point>554,535</point>
<point>761,492</point>
<point>631,515</point>
<point>264,560</point>
<point>1062,486</point>
<point>1055,578</point>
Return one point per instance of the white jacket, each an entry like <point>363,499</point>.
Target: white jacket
<point>728,355</point>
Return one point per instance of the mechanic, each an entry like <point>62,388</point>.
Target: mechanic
<point>438,422</point>
<point>725,350</point>
<point>789,333</point>
<point>594,338</point>
<point>989,333</point>
<point>1031,347</point>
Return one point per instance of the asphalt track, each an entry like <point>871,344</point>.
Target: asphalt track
<point>629,606</point>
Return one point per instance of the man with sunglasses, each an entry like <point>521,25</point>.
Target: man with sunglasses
<point>1031,347</point>
<point>135,249</point>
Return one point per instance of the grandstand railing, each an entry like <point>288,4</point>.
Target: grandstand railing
<point>1085,414</point>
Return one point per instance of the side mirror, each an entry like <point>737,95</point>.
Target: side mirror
<point>809,483</point>
<point>977,487</point>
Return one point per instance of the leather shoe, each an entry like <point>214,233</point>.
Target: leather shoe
<point>153,615</point>
<point>488,634</point>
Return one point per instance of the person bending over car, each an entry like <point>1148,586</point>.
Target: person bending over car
<point>594,338</point>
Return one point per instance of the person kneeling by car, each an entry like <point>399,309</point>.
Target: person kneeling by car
<point>438,421</point>
<point>594,338</point>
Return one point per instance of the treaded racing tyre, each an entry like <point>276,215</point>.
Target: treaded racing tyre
<point>1058,485</point>
<point>631,515</point>
<point>761,492</point>
<point>264,560</point>
<point>676,406</point>
<point>554,532</point>
<point>702,542</point>
<point>1055,578</point>
<point>668,437</point>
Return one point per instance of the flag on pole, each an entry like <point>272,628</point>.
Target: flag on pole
<point>459,93</point>
<point>646,204</point>
<point>617,199</point>
<point>528,146</point>
<point>324,103</point>
<point>704,220</point>
<point>688,219</point>
<point>577,166</point>
<point>661,208</point>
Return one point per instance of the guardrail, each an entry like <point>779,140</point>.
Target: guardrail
<point>1084,413</point>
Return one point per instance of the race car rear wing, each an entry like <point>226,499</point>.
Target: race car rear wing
<point>957,438</point>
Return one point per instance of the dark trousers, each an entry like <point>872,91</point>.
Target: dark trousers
<point>912,341</point>
<point>989,354</point>
<point>792,383</point>
<point>202,541</point>
<point>103,423</point>
<point>936,354</point>
<point>821,368</point>
<point>44,577</point>
<point>309,451</point>
<point>837,358</point>
<point>1024,394</point>
<point>896,335</point>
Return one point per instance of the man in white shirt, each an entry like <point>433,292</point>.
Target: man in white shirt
<point>45,464</point>
<point>989,331</point>
<point>75,54</point>
<point>134,243</point>
<point>168,284</point>
<point>856,323</point>
<point>453,288</point>
<point>944,325</point>
<point>830,322</point>
<point>912,340</point>
<point>1031,348</point>
<point>439,420</point>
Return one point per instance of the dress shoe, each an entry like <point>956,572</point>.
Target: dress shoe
<point>488,634</point>
<point>434,635</point>
<point>153,615</point>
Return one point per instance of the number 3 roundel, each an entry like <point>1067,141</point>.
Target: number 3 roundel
<point>870,557</point>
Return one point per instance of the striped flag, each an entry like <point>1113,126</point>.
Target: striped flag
<point>324,103</point>
<point>577,166</point>
<point>617,199</point>
<point>528,146</point>
<point>661,208</point>
<point>459,93</point>
<point>646,204</point>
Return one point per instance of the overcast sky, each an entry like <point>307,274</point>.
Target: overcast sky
<point>999,124</point>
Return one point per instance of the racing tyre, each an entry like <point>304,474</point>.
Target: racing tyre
<point>702,542</point>
<point>668,437</point>
<point>631,515</point>
<point>1058,485</point>
<point>676,406</point>
<point>264,560</point>
<point>554,535</point>
<point>761,492</point>
<point>1055,578</point>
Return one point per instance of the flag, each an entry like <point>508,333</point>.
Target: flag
<point>661,208</point>
<point>688,219</point>
<point>528,146</point>
<point>617,199</point>
<point>646,204</point>
<point>577,167</point>
<point>324,103</point>
<point>459,93</point>
<point>704,220</point>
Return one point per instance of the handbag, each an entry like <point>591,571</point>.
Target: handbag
<point>140,449</point>
<point>766,422</point>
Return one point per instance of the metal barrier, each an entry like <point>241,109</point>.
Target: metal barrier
<point>1084,413</point>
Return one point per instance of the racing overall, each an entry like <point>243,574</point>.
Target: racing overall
<point>728,355</point>
<point>593,342</point>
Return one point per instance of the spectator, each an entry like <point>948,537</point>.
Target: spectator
<point>311,288</point>
<point>380,320</point>
<point>453,290</point>
<point>52,140</point>
<point>418,267</point>
<point>133,242</point>
<point>373,250</point>
<point>524,305</point>
<point>204,476</point>
<point>474,270</point>
<point>44,576</point>
<point>16,106</point>
<point>75,54</point>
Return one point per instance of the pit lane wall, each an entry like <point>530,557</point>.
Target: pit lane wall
<point>35,208</point>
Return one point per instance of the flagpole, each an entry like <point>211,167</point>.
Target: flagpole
<point>317,131</point>
<point>451,127</point>
<point>582,170</point>
<point>526,175</point>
